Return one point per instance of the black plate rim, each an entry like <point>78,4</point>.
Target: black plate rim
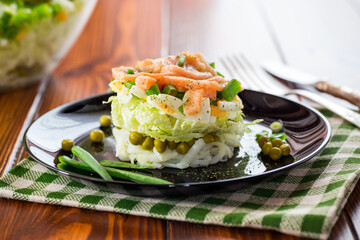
<point>176,185</point>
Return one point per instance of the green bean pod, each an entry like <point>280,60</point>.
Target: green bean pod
<point>122,174</point>
<point>118,164</point>
<point>87,158</point>
<point>136,177</point>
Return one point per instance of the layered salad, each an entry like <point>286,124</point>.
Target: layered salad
<point>175,111</point>
<point>31,33</point>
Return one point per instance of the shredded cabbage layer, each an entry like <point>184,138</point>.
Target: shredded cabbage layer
<point>136,115</point>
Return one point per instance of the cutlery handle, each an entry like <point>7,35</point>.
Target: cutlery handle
<point>346,113</point>
<point>340,92</point>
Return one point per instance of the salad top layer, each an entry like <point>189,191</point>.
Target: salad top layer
<point>175,98</point>
<point>18,15</point>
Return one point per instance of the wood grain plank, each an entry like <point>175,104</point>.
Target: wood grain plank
<point>353,209</point>
<point>13,111</point>
<point>17,149</point>
<point>181,230</point>
<point>355,4</point>
<point>132,32</point>
<point>320,37</point>
<point>219,27</point>
<point>342,228</point>
<point>42,221</point>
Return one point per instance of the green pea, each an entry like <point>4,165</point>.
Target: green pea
<point>67,144</point>
<point>96,135</point>
<point>276,142</point>
<point>285,149</point>
<point>208,138</point>
<point>275,153</point>
<point>191,142</point>
<point>182,148</point>
<point>105,121</point>
<point>136,138</point>
<point>266,148</point>
<point>148,143</point>
<point>160,146</point>
<point>262,140</point>
<point>171,145</point>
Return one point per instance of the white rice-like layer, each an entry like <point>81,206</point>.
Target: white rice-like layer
<point>199,155</point>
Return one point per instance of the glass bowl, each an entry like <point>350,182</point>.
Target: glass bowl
<point>34,37</point>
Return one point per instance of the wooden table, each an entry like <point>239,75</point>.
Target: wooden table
<point>318,36</point>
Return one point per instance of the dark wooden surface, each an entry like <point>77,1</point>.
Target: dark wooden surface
<point>123,31</point>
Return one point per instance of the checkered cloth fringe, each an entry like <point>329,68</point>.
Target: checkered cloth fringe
<point>305,201</point>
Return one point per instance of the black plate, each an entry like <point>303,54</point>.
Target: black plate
<point>307,130</point>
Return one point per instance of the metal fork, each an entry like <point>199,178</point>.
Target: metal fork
<point>252,77</point>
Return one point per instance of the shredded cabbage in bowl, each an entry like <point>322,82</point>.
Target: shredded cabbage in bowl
<point>38,47</point>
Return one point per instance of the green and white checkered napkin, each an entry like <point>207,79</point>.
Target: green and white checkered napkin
<point>306,201</point>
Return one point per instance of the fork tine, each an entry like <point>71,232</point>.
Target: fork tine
<point>244,76</point>
<point>259,77</point>
<point>234,71</point>
<point>251,76</point>
<point>248,72</point>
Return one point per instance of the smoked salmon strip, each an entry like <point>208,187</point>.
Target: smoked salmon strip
<point>145,82</point>
<point>154,65</point>
<point>182,84</point>
<point>193,102</point>
<point>198,62</point>
<point>179,71</point>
